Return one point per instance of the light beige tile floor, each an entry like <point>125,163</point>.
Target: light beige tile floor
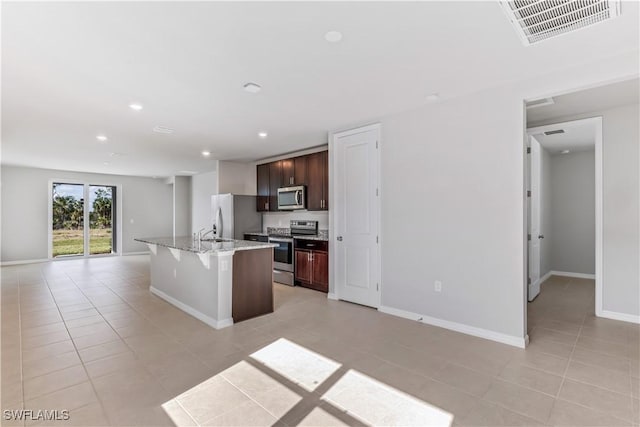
<point>88,337</point>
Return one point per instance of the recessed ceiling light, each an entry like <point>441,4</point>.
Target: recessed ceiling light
<point>102,138</point>
<point>162,129</point>
<point>206,153</point>
<point>135,106</point>
<point>565,152</point>
<point>263,134</point>
<point>252,87</point>
<point>432,97</point>
<point>333,36</point>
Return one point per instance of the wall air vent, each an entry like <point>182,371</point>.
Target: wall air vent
<point>554,132</point>
<point>537,20</point>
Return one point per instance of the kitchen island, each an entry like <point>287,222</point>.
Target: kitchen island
<point>218,281</point>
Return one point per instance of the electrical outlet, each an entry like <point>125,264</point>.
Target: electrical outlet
<point>437,286</point>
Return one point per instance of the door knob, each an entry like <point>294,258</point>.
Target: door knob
<point>339,238</point>
<point>540,236</point>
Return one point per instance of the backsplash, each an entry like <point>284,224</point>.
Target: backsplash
<point>283,219</point>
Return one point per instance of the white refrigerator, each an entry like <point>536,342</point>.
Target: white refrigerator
<point>234,215</point>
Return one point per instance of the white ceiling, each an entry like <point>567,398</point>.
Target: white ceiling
<point>585,101</point>
<point>69,70</point>
<point>576,137</point>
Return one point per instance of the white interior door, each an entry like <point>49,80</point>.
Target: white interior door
<point>534,218</point>
<point>357,269</point>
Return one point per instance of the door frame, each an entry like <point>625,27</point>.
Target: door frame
<point>333,217</point>
<point>86,185</point>
<point>597,121</point>
<point>533,201</point>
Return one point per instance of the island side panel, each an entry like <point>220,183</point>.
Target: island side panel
<point>188,284</point>
<point>252,283</point>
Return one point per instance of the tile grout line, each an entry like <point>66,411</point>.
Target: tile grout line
<point>76,348</point>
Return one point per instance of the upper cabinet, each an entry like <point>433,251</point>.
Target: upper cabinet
<point>287,172</point>
<point>311,170</point>
<point>318,181</point>
<point>275,182</point>
<point>300,170</point>
<point>263,188</point>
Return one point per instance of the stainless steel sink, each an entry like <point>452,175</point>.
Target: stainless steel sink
<point>217,240</point>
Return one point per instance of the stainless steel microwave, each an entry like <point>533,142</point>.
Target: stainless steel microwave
<point>292,198</point>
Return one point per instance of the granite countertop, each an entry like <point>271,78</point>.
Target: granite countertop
<point>286,232</point>
<point>187,243</point>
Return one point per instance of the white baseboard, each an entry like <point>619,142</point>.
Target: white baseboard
<point>624,317</point>
<point>26,261</point>
<point>570,274</point>
<point>545,277</point>
<point>136,253</point>
<point>458,327</point>
<point>332,296</point>
<point>217,324</point>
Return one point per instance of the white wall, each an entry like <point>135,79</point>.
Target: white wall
<point>621,206</point>
<point>181,205</point>
<point>236,178</point>
<point>453,204</point>
<point>545,212</point>
<point>573,220</point>
<point>147,209</point>
<point>203,186</point>
<point>452,210</point>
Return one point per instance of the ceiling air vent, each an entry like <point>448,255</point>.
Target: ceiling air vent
<point>554,132</point>
<point>537,20</point>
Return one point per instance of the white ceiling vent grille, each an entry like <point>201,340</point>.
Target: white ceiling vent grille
<point>537,20</point>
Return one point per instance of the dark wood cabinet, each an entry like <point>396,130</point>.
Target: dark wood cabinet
<point>263,187</point>
<point>287,167</point>
<point>312,264</point>
<point>318,181</point>
<point>300,170</point>
<point>275,182</point>
<point>311,170</point>
<point>320,264</point>
<point>303,266</point>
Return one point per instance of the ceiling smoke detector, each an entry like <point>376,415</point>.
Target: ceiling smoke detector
<point>538,20</point>
<point>252,87</point>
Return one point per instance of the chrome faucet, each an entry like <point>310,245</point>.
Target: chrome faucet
<point>203,235</point>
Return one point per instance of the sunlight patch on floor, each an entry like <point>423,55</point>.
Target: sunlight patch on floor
<point>376,403</point>
<point>296,363</point>
<point>253,393</point>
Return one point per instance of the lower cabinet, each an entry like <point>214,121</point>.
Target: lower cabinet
<point>312,264</point>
